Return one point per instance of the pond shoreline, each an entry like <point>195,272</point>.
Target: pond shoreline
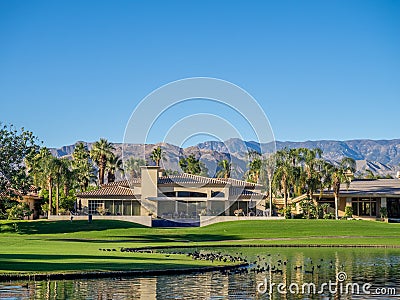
<point>139,249</point>
<point>110,274</point>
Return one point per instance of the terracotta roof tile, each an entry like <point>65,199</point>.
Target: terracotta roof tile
<point>108,192</point>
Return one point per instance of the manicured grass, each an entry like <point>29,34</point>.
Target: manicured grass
<point>63,246</point>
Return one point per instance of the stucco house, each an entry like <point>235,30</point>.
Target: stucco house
<point>366,197</point>
<point>174,197</point>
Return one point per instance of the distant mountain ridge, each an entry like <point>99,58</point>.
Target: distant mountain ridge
<point>380,156</point>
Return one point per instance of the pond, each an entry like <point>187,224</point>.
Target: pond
<point>359,270</point>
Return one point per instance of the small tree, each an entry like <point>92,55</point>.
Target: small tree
<point>19,211</point>
<point>348,212</point>
<point>384,213</point>
<point>157,155</point>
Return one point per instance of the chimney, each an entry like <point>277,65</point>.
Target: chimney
<point>149,181</point>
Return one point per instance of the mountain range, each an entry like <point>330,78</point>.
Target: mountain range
<point>382,157</point>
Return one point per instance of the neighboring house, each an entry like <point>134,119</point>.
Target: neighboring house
<point>182,196</point>
<point>32,199</point>
<point>366,197</point>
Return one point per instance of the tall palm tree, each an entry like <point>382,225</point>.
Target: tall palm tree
<point>253,173</point>
<point>42,167</point>
<point>311,160</point>
<point>101,152</point>
<point>225,169</point>
<point>284,173</point>
<point>269,164</point>
<point>63,176</point>
<point>342,174</point>
<point>113,164</point>
<point>157,155</point>
<point>82,167</point>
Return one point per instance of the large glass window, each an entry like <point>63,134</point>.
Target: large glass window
<point>364,206</point>
<point>127,208</point>
<point>114,207</point>
<point>135,208</point>
<point>393,207</point>
<point>95,207</point>
<point>118,208</point>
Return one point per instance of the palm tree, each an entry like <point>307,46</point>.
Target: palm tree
<point>132,166</point>
<point>312,160</point>
<point>225,169</point>
<point>284,173</point>
<point>113,164</point>
<point>63,176</point>
<point>156,155</point>
<point>42,167</point>
<point>82,167</point>
<point>269,165</point>
<point>342,174</point>
<point>192,165</point>
<point>101,152</point>
<point>255,164</point>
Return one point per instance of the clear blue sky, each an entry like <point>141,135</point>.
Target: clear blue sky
<point>74,70</point>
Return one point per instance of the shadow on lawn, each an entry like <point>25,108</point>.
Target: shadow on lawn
<point>153,238</point>
<point>48,263</point>
<point>54,227</point>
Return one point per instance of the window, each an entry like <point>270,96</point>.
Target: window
<point>393,207</point>
<point>169,194</point>
<point>115,207</point>
<point>95,206</point>
<point>217,194</point>
<point>191,194</point>
<point>364,206</point>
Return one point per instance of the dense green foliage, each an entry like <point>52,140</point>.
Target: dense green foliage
<point>192,165</point>
<point>15,145</point>
<point>101,153</point>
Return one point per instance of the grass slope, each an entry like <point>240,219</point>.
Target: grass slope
<point>63,246</point>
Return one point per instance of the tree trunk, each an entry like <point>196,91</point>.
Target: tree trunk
<point>66,190</point>
<point>102,167</point>
<point>110,177</point>
<point>336,192</point>
<point>270,199</point>
<point>57,196</point>
<point>336,206</point>
<point>50,186</point>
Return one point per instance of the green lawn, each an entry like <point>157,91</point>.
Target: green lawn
<point>63,246</point>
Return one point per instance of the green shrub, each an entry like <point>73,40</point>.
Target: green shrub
<point>348,211</point>
<point>19,211</point>
<point>383,212</point>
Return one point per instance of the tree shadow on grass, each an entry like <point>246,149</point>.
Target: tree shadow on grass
<point>52,263</point>
<point>54,227</point>
<point>153,238</point>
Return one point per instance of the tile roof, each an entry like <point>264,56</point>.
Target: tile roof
<point>186,178</point>
<point>124,183</point>
<point>245,194</point>
<point>370,187</point>
<point>108,192</point>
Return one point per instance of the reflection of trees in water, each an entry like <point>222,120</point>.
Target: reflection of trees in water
<point>377,266</point>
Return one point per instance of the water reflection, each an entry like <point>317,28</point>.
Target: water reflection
<point>379,267</point>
